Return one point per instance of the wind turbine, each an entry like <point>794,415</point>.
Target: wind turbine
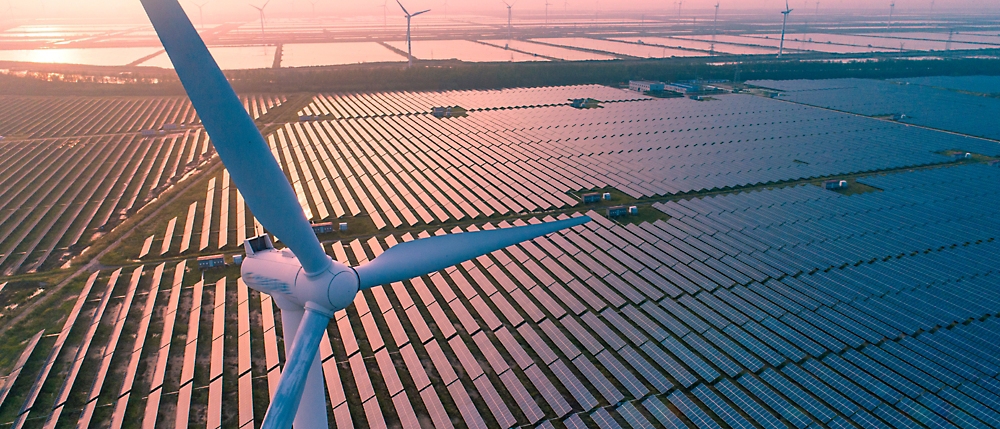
<point>313,4</point>
<point>715,31</point>
<point>306,284</point>
<point>409,44</point>
<point>261,11</point>
<point>784,20</point>
<point>547,4</point>
<point>201,14</point>
<point>9,13</point>
<point>385,16</point>
<point>892,8</point>
<point>510,30</point>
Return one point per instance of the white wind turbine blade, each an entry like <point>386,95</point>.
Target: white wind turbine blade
<point>411,259</point>
<point>235,136</point>
<point>402,7</point>
<point>312,407</point>
<point>295,376</point>
<point>420,13</point>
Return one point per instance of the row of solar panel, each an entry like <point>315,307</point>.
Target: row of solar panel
<point>620,324</point>
<point>313,152</point>
<point>939,108</point>
<point>401,103</point>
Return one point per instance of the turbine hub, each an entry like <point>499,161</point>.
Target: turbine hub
<point>278,273</point>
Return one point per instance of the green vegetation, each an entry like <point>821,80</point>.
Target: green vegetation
<point>448,75</point>
<point>49,317</point>
<point>646,214</point>
<point>973,159</point>
<point>618,198</point>
<point>173,203</point>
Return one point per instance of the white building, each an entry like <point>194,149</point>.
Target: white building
<point>645,86</point>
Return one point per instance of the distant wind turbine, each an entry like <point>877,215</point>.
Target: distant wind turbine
<point>784,20</point>
<point>385,17</point>
<point>547,4</point>
<point>715,21</point>
<point>313,3</point>
<point>510,29</point>
<point>201,13</point>
<point>261,11</point>
<point>892,8</point>
<point>409,43</point>
<point>715,27</point>
<point>10,11</point>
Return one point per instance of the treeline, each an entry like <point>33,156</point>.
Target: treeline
<point>452,75</point>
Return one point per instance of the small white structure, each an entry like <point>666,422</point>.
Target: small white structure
<point>835,184</point>
<point>343,227</point>
<point>633,210</point>
<point>961,155</point>
<point>607,196</point>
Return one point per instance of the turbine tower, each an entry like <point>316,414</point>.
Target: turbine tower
<point>784,20</point>
<point>385,16</point>
<point>547,4</point>
<point>306,284</point>
<point>409,43</point>
<point>261,11</point>
<point>892,8</point>
<point>715,31</point>
<point>510,30</point>
<point>9,13</point>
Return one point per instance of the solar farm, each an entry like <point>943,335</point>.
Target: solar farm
<point>745,292</point>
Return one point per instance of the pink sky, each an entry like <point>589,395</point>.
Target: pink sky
<point>96,11</point>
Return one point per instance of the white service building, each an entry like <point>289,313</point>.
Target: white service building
<point>646,86</point>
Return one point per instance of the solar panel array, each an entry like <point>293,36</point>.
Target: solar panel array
<point>792,306</point>
<point>922,105</point>
<point>777,307</point>
<point>44,117</point>
<point>73,174</point>
<point>398,168</point>
<point>975,84</point>
<point>341,106</point>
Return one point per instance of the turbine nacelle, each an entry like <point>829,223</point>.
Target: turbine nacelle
<point>280,274</point>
